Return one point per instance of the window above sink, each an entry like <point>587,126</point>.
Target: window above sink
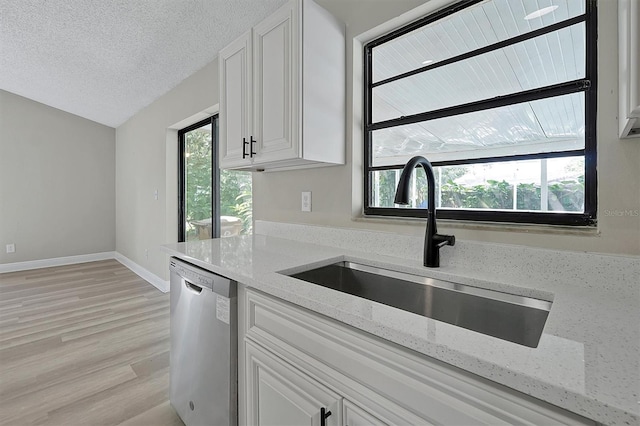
<point>500,96</point>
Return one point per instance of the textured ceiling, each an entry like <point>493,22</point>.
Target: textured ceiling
<point>107,59</point>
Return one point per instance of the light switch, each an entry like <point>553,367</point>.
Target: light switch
<point>306,201</point>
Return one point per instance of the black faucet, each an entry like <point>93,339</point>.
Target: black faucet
<point>432,240</point>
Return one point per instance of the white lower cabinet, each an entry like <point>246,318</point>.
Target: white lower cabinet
<point>356,416</point>
<point>295,365</point>
<point>278,394</point>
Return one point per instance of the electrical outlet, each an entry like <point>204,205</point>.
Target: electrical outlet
<point>146,253</point>
<point>155,194</point>
<point>306,201</point>
<point>11,248</point>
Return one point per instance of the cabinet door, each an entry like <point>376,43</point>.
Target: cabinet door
<point>278,394</point>
<point>356,416</point>
<point>629,68</point>
<point>277,60</point>
<point>235,65</point>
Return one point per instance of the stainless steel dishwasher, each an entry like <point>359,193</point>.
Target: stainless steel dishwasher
<point>204,336</point>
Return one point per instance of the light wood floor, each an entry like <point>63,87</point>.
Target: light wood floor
<point>84,344</point>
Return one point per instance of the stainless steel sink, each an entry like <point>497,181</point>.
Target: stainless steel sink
<point>517,319</point>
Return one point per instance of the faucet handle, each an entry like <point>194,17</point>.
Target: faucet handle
<point>444,240</point>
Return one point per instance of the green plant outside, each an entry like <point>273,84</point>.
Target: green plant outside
<point>566,195</point>
<point>235,187</point>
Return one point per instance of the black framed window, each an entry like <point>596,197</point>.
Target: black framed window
<point>212,203</point>
<point>500,96</point>
<point>198,177</point>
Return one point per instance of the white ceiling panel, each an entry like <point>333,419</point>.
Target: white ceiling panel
<point>562,117</point>
<point>542,61</point>
<point>546,125</point>
<point>480,77</point>
<point>549,59</point>
<point>478,26</point>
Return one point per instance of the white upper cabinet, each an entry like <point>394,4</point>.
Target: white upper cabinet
<point>282,92</point>
<point>275,80</point>
<point>629,67</point>
<point>235,100</point>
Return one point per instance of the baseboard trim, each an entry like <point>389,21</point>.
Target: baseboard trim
<point>56,261</point>
<point>143,273</point>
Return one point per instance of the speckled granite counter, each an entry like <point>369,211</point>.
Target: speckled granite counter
<point>588,359</point>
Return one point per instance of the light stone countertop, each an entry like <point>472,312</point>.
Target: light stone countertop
<point>588,358</point>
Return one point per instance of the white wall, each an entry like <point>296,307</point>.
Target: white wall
<point>146,158</point>
<point>337,191</point>
<point>146,155</point>
<point>57,182</point>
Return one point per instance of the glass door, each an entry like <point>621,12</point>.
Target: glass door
<point>212,203</point>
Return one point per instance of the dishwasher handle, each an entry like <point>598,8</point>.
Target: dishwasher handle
<point>192,287</point>
<point>202,279</point>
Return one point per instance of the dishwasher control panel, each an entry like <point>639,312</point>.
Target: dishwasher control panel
<point>190,275</point>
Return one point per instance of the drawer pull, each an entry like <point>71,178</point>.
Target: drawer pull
<point>323,416</point>
<point>244,145</point>
<point>251,151</point>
